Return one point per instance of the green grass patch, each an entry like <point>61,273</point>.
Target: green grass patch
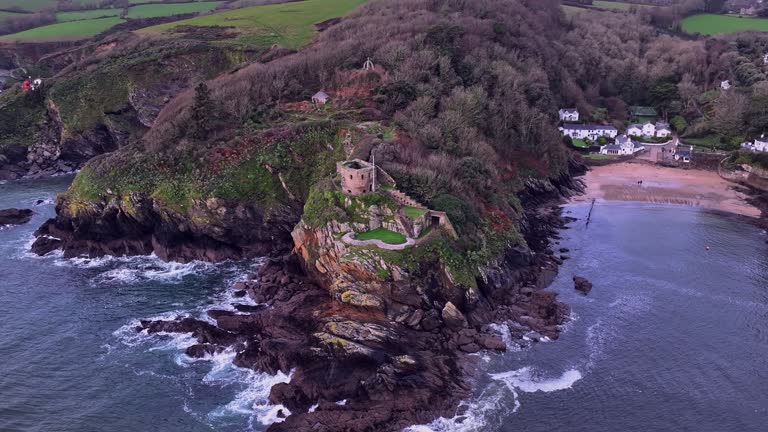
<point>28,5</point>
<point>74,30</point>
<point>87,14</point>
<point>5,15</point>
<point>383,234</point>
<point>169,9</point>
<point>580,143</point>
<point>645,119</point>
<point>288,24</point>
<point>710,24</point>
<point>599,156</point>
<point>414,212</point>
<point>707,141</point>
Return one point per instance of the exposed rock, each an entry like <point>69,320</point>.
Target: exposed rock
<point>363,300</point>
<point>14,216</point>
<point>582,284</point>
<point>453,317</point>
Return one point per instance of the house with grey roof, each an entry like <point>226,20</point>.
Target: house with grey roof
<point>758,145</point>
<point>568,114</point>
<point>624,146</point>
<point>320,98</point>
<point>591,131</point>
<point>648,130</point>
<point>684,154</point>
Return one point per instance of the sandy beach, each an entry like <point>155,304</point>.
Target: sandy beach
<point>695,188</point>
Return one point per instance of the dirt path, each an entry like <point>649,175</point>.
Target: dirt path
<point>695,188</point>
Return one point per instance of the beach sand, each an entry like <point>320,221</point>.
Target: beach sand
<point>705,189</point>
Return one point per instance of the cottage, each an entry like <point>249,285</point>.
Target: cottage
<point>663,130</point>
<point>591,131</point>
<point>569,114</point>
<point>320,98</point>
<point>758,145</point>
<point>765,58</point>
<point>684,154</point>
<point>725,85</point>
<point>646,129</point>
<point>624,146</point>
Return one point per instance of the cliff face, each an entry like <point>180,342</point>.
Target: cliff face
<point>97,98</point>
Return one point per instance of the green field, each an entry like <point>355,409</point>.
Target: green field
<point>169,9</point>
<point>600,156</point>
<point>4,15</point>
<point>288,24</point>
<point>580,143</point>
<point>65,31</point>
<point>27,5</point>
<point>382,234</point>
<point>709,24</point>
<point>86,14</point>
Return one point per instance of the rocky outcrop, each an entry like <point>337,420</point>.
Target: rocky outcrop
<point>582,284</point>
<point>211,230</point>
<point>14,216</point>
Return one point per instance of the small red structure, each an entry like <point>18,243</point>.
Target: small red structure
<point>26,85</point>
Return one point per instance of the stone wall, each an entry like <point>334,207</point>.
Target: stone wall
<point>356,176</point>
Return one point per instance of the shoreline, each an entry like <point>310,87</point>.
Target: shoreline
<point>699,189</point>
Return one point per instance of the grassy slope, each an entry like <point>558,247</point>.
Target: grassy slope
<point>159,10</point>
<point>710,24</point>
<point>287,24</point>
<point>4,15</point>
<point>65,31</point>
<point>87,14</point>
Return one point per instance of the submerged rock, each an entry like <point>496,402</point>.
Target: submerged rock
<point>14,216</point>
<point>582,284</point>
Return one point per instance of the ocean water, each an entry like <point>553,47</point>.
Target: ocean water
<point>673,337</point>
<point>70,359</point>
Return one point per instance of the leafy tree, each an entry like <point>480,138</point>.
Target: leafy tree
<point>679,123</point>
<point>663,92</point>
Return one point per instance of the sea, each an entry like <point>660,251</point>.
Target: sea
<point>673,336</point>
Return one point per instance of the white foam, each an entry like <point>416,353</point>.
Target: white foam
<point>478,415</point>
<point>527,381</point>
<point>341,402</point>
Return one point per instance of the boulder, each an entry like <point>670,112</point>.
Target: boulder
<point>453,316</point>
<point>14,216</point>
<point>582,284</point>
<point>362,300</point>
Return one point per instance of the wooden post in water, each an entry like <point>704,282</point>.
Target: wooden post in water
<point>589,216</point>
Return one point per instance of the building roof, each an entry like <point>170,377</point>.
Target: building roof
<point>320,95</point>
<point>578,126</point>
<point>642,111</point>
<point>623,139</point>
<point>568,110</point>
<point>611,147</point>
<point>662,125</point>
<point>683,153</point>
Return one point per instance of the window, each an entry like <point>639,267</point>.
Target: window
<point>350,176</point>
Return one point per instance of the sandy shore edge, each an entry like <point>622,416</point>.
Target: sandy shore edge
<point>663,185</point>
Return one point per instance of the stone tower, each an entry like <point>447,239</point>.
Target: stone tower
<point>356,176</point>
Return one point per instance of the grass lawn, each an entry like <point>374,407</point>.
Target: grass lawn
<point>87,14</point>
<point>289,24</point>
<point>169,9</point>
<point>382,234</point>
<point>600,156</point>
<point>414,212</point>
<point>645,120</point>
<point>709,24</point>
<point>580,143</point>
<point>65,31</point>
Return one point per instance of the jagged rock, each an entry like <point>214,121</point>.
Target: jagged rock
<point>431,321</point>
<point>415,318</point>
<point>564,250</point>
<point>470,348</point>
<point>345,348</point>
<point>362,300</point>
<point>492,342</point>
<point>453,317</point>
<point>14,216</point>
<point>202,350</point>
<point>582,284</point>
<point>360,332</point>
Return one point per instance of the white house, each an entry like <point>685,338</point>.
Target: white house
<point>569,114</point>
<point>624,146</point>
<point>758,145</point>
<point>663,130</point>
<point>320,98</point>
<point>765,58</point>
<point>725,85</point>
<point>591,131</point>
<point>635,130</point>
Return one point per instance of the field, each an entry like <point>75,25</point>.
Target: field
<point>4,15</point>
<point>169,9</point>
<point>580,143</point>
<point>65,31</point>
<point>27,5</point>
<point>289,24</point>
<point>86,14</point>
<point>709,24</point>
